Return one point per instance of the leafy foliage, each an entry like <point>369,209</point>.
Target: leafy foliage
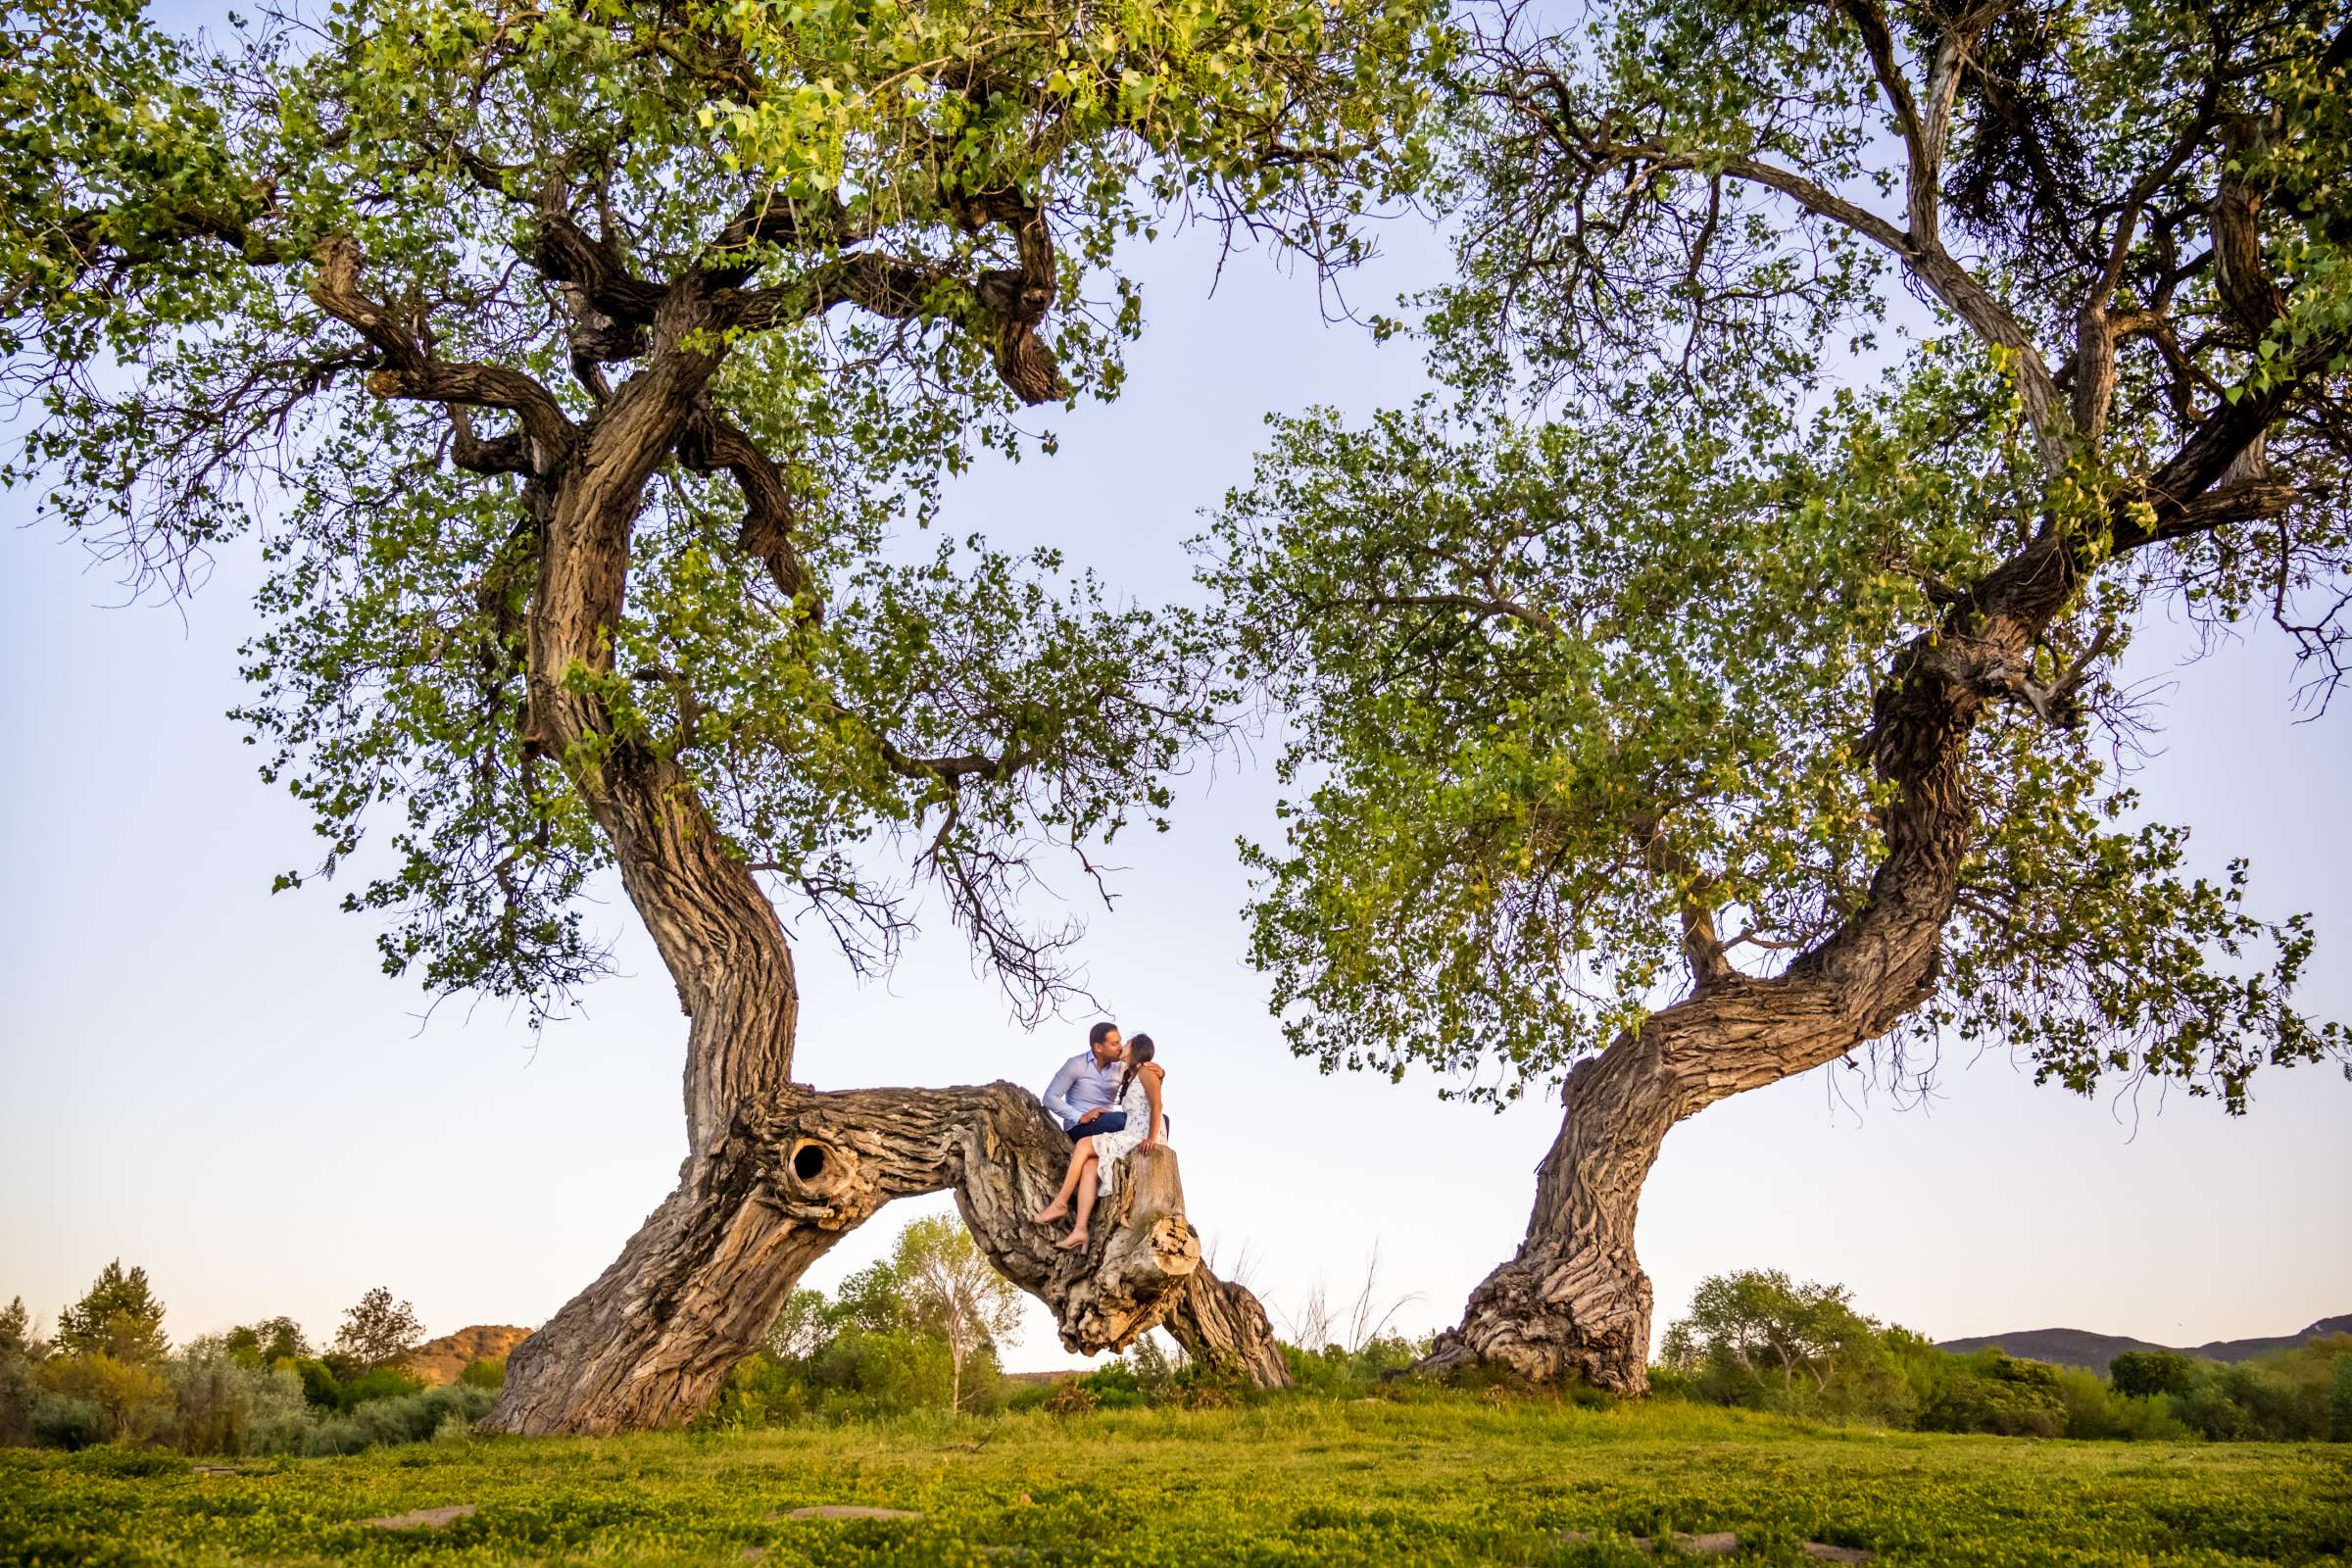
<point>1606,667</point>
<point>285,286</point>
<point>490,1372</point>
<point>268,1343</point>
<point>222,1403</point>
<point>2152,1372</point>
<point>1758,1325</point>
<point>1755,1338</point>
<point>124,1395</point>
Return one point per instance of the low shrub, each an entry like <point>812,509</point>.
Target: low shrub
<point>1337,1372</point>
<point>411,1418</point>
<point>1030,1395</point>
<point>2152,1372</point>
<point>131,1397</point>
<point>338,1384</point>
<point>1990,1390</point>
<point>375,1385</point>
<point>225,1404</point>
<point>764,1390</point>
<point>2096,1409</point>
<point>320,1386</point>
<point>16,1397</point>
<point>866,1373</point>
<point>487,1373</point>
<point>131,1464</point>
<point>1112,1387</point>
<point>1072,1397</point>
<point>62,1421</point>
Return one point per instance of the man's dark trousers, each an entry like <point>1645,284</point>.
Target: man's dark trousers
<point>1110,1121</point>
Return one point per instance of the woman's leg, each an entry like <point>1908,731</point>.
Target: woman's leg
<point>1087,1190</point>
<point>1082,1155</point>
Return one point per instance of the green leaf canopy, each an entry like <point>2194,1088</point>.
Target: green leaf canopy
<point>391,285</point>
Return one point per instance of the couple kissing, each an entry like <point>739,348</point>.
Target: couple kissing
<point>1108,1098</point>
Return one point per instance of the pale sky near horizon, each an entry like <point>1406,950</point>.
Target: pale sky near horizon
<point>218,1084</point>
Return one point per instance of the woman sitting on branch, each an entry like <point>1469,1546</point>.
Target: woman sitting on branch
<point>1100,1153</point>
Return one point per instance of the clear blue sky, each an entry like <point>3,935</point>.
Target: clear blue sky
<point>218,1084</point>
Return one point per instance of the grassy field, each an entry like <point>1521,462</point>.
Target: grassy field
<point>1438,1478</point>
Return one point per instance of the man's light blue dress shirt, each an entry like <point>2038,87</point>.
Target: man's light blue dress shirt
<point>1080,1087</point>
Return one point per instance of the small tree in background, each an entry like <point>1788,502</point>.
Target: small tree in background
<point>1759,1324</point>
<point>119,1316</point>
<point>19,1353</point>
<point>268,1342</point>
<point>916,1330</point>
<point>951,1291</point>
<point>378,1331</point>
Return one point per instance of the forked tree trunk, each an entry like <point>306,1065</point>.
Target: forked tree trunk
<point>698,1286</point>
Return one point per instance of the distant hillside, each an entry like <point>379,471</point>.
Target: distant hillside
<point>1044,1380</point>
<point>440,1360</point>
<point>2081,1348</point>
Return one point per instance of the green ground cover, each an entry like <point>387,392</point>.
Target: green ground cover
<point>1427,1478</point>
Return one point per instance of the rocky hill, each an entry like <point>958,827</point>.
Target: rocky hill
<point>2081,1348</point>
<point>440,1360</point>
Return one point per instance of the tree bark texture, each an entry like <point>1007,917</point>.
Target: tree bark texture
<point>697,1288</point>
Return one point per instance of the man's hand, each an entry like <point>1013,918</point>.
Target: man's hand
<point>1089,1115</point>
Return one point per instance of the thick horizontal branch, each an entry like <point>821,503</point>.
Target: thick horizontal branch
<point>830,1160</point>
<point>1001,306</point>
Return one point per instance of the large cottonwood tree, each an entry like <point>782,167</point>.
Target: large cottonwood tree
<point>1670,720</point>
<point>571,365</point>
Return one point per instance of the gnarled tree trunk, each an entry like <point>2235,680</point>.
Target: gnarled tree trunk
<point>1574,1303</point>
<point>697,1288</point>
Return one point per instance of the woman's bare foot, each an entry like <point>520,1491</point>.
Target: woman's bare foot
<point>1071,1242</point>
<point>1050,1214</point>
